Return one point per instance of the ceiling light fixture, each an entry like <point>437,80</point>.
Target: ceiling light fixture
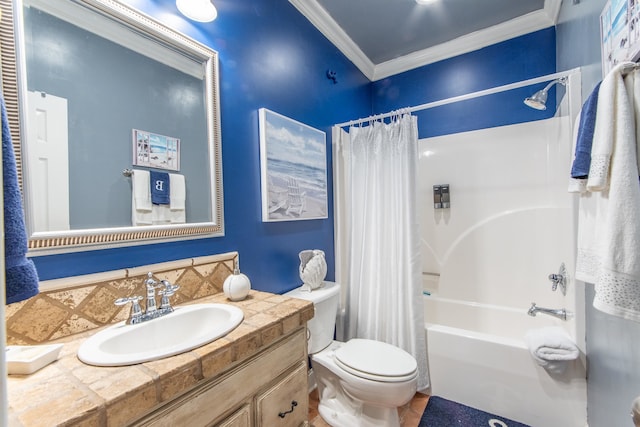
<point>197,10</point>
<point>425,1</point>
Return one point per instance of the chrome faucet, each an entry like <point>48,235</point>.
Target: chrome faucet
<point>560,313</point>
<point>151,286</point>
<point>151,309</point>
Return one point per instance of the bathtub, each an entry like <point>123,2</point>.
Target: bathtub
<point>477,357</point>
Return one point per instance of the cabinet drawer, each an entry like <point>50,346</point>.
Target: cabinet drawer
<point>240,418</point>
<point>286,402</point>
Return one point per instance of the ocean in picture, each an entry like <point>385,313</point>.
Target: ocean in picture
<point>294,156</point>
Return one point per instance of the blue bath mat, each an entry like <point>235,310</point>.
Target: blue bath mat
<point>445,413</point>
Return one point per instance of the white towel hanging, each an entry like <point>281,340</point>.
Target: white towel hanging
<point>609,233</point>
<point>177,206</point>
<point>141,207</point>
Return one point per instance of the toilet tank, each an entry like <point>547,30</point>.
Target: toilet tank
<point>325,303</point>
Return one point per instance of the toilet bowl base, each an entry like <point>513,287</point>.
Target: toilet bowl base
<point>337,415</point>
<point>347,400</point>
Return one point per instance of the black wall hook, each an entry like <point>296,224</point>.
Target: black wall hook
<point>333,76</point>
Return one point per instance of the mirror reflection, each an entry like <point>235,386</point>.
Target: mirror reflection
<point>100,98</point>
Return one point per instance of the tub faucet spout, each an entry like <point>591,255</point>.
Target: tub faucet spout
<point>560,313</point>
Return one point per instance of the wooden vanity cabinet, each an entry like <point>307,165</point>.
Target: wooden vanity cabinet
<point>267,390</point>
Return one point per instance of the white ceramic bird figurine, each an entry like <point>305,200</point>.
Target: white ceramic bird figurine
<point>313,268</point>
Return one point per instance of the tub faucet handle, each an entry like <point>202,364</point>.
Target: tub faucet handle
<point>559,279</point>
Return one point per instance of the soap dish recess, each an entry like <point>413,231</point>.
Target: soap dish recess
<point>26,359</point>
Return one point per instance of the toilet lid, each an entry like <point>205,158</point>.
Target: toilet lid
<point>376,360</point>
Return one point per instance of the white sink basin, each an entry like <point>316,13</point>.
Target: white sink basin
<point>188,327</point>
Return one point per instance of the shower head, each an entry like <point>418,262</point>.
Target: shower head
<point>539,99</point>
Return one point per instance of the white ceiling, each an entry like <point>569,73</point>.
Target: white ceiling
<point>387,37</point>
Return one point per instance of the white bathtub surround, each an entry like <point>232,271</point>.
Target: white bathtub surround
<point>499,376</point>
<point>609,233</point>
<point>377,236</point>
<point>489,258</point>
<point>552,348</point>
<point>512,225</point>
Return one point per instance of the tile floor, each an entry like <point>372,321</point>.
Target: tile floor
<point>410,413</point>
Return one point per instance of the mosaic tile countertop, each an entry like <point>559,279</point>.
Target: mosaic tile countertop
<point>70,393</point>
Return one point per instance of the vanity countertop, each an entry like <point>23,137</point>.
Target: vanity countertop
<point>71,393</point>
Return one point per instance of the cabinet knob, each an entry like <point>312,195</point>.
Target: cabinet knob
<point>293,406</point>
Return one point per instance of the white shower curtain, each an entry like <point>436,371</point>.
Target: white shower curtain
<point>378,258</point>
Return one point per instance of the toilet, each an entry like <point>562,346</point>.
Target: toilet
<point>361,382</point>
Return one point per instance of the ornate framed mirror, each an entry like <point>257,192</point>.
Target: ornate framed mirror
<point>116,71</point>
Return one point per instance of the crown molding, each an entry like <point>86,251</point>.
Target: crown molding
<point>552,8</point>
<point>522,25</point>
<point>336,35</point>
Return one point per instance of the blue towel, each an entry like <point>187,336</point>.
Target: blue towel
<point>160,188</point>
<point>20,273</point>
<point>582,160</point>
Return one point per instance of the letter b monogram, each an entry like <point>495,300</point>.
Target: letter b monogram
<point>159,185</point>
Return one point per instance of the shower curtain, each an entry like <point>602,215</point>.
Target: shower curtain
<point>377,237</point>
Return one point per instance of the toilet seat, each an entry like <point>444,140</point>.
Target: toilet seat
<point>376,361</point>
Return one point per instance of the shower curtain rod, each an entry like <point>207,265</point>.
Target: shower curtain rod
<point>465,97</point>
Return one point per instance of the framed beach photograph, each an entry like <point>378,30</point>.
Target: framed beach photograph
<point>155,151</point>
<point>633,13</point>
<point>620,33</point>
<point>293,165</point>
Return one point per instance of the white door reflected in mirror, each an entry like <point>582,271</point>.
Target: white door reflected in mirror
<point>48,162</point>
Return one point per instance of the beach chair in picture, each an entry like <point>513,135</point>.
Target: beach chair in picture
<point>295,198</point>
<point>277,197</point>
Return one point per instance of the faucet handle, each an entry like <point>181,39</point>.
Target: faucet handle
<point>136,311</point>
<point>169,290</point>
<point>126,300</point>
<point>150,282</point>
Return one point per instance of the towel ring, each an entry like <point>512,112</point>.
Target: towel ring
<point>127,172</point>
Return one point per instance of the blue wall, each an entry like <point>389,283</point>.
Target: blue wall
<point>521,58</point>
<point>272,57</point>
